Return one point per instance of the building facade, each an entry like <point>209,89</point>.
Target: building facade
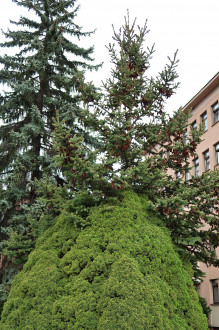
<point>205,110</point>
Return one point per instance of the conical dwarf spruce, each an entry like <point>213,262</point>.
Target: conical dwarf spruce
<point>120,272</point>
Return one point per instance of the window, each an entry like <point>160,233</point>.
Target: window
<point>215,291</point>
<point>194,126</point>
<point>187,176</point>
<point>162,154</point>
<point>177,175</point>
<point>211,205</point>
<point>186,140</point>
<point>196,164</point>
<point>217,153</point>
<point>215,109</point>
<point>212,248</point>
<point>207,160</point>
<point>205,121</point>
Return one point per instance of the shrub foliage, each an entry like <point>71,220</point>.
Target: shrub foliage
<point>119,272</point>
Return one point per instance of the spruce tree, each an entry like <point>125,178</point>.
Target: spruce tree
<point>44,74</point>
<point>144,148</point>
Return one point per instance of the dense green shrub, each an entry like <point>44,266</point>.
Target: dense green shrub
<point>121,272</point>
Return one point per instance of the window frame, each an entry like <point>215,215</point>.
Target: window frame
<point>196,167</point>
<point>206,155</point>
<point>204,118</point>
<point>187,176</point>
<point>178,175</point>
<point>185,137</point>
<point>215,110</point>
<point>216,147</point>
<point>194,125</point>
<point>168,154</point>
<point>215,290</point>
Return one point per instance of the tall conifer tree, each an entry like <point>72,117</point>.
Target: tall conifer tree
<point>45,74</point>
<point>144,148</point>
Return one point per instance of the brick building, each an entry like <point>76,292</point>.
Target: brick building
<point>205,110</point>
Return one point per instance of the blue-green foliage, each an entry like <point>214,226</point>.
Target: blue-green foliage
<point>120,272</point>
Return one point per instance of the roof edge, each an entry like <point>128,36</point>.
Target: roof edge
<point>211,84</point>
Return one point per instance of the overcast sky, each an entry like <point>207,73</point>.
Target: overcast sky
<point>191,26</point>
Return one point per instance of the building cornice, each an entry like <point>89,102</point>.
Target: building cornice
<point>206,90</point>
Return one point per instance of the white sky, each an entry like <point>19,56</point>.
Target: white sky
<point>191,26</point>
